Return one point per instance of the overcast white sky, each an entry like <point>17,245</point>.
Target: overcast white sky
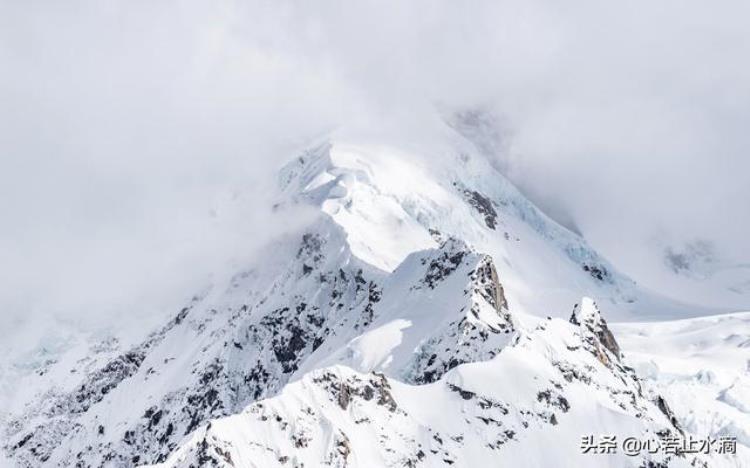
<point>124,123</point>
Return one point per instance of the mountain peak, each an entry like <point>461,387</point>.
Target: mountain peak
<point>588,316</point>
<point>423,278</point>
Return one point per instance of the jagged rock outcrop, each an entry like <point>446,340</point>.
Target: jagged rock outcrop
<point>479,331</point>
<point>587,315</point>
<point>545,386</point>
<point>232,354</point>
<point>241,352</point>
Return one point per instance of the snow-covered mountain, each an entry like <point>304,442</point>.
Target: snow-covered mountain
<point>430,315</point>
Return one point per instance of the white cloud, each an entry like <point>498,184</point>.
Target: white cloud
<point>123,122</point>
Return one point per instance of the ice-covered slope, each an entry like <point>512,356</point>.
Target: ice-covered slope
<point>426,271</point>
<point>702,366</point>
<point>392,202</point>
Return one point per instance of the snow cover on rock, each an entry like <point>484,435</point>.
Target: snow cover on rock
<point>526,407</point>
<point>422,320</point>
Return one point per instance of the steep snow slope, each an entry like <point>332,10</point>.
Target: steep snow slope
<point>216,356</point>
<point>526,407</point>
<point>220,352</point>
<point>392,202</point>
<point>439,308</point>
<point>425,266</point>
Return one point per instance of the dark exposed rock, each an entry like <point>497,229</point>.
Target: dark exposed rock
<point>608,340</point>
<point>23,441</point>
<point>483,205</point>
<point>106,379</point>
<point>598,272</point>
<point>593,322</point>
<point>653,464</point>
<point>445,264</point>
<point>661,403</point>
<point>465,394</point>
<point>485,276</point>
<point>554,400</point>
<point>344,396</point>
<point>343,446</point>
<point>470,338</point>
<point>312,245</point>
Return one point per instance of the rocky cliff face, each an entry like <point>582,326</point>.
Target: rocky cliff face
<point>519,407</point>
<point>227,356</point>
